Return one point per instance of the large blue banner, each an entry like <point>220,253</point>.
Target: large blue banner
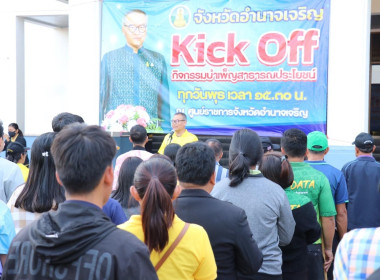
<point>226,64</point>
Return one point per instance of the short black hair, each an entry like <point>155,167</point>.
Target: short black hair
<point>1,130</point>
<point>81,154</point>
<point>215,145</point>
<point>195,163</point>
<point>294,142</point>
<point>138,134</point>
<point>171,151</point>
<point>63,119</point>
<point>317,152</point>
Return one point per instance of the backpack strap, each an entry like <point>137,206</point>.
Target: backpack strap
<point>172,247</point>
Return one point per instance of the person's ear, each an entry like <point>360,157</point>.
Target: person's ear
<point>58,179</point>
<point>374,148</point>
<point>356,151</point>
<point>135,194</point>
<point>108,176</point>
<point>130,139</point>
<point>177,192</point>
<point>212,179</point>
<point>326,151</point>
<point>146,140</point>
<point>283,151</point>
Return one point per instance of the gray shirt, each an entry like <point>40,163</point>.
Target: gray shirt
<point>269,215</point>
<point>10,178</point>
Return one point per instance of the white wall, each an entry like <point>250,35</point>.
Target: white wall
<point>348,79</point>
<point>84,52</point>
<point>38,57</point>
<point>46,75</point>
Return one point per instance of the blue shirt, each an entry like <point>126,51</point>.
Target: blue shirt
<point>7,230</point>
<point>134,79</point>
<point>363,177</point>
<point>114,211</point>
<point>337,181</point>
<point>220,172</point>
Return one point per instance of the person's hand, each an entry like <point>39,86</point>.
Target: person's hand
<point>6,137</point>
<point>329,257</point>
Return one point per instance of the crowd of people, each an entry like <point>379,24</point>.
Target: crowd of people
<point>276,212</point>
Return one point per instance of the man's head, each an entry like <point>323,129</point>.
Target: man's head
<point>217,147</point>
<point>267,144</point>
<point>195,164</point>
<point>138,135</point>
<point>364,143</point>
<point>317,145</point>
<point>134,28</point>
<point>294,143</point>
<point>82,155</point>
<point>179,122</point>
<point>63,119</point>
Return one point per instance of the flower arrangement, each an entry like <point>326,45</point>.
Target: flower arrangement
<point>124,117</point>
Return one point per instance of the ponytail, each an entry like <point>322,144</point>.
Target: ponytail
<point>245,151</point>
<point>157,215</point>
<point>239,169</point>
<point>155,181</point>
<point>277,168</point>
<point>14,158</point>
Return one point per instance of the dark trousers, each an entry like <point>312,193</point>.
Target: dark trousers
<point>299,275</point>
<point>315,262</point>
<point>260,276</point>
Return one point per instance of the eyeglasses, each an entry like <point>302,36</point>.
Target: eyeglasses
<point>134,28</point>
<point>177,121</point>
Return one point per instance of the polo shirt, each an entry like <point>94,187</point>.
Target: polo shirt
<point>337,181</point>
<point>193,257</point>
<point>363,177</point>
<point>313,184</point>
<point>185,138</point>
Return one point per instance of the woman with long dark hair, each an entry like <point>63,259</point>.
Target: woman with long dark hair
<point>178,250</point>
<point>15,135</point>
<point>277,168</point>
<point>265,203</point>
<point>41,191</point>
<point>125,181</point>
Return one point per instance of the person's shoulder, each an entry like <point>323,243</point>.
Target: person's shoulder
<point>8,165</point>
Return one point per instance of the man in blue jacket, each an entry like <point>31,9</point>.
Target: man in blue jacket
<point>363,177</point>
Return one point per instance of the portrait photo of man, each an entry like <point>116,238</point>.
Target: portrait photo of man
<point>133,74</point>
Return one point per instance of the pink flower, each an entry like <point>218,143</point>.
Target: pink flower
<point>123,119</point>
<point>141,122</point>
<point>110,114</point>
<point>138,108</point>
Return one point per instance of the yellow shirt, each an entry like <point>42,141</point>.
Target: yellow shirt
<point>24,171</point>
<point>191,259</point>
<point>185,138</point>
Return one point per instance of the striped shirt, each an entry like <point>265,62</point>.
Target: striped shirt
<point>358,254</point>
<point>220,172</point>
